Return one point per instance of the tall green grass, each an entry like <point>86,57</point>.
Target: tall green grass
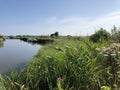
<point>76,62</point>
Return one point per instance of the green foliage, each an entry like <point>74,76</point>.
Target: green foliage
<point>1,36</point>
<point>56,34</point>
<point>115,34</point>
<point>72,61</point>
<point>75,62</point>
<point>111,65</point>
<point>2,84</point>
<point>100,35</point>
<point>105,88</point>
<point>1,41</point>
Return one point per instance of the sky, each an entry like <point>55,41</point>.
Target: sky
<point>68,17</point>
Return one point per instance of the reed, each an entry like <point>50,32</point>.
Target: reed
<point>66,64</point>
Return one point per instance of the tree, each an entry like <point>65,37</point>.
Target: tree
<point>100,35</point>
<point>1,36</point>
<point>56,34</point>
<point>114,30</point>
<point>115,34</point>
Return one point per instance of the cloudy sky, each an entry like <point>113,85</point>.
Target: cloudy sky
<point>43,17</point>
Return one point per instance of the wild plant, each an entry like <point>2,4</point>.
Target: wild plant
<point>112,65</point>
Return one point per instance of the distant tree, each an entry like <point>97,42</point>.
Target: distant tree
<point>115,34</point>
<point>56,34</point>
<point>114,30</point>
<point>1,36</point>
<point>100,35</point>
<point>52,35</point>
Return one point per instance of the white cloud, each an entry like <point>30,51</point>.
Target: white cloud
<point>83,25</point>
<point>65,26</point>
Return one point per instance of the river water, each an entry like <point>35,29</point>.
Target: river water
<point>16,53</point>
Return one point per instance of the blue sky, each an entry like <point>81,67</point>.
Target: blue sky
<point>43,17</point>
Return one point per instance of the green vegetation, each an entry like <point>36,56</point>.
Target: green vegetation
<point>70,63</point>
<point>1,40</point>
<point>100,35</point>
<point>56,34</point>
<point>116,34</point>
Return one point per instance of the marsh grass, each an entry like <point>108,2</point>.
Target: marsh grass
<point>76,61</point>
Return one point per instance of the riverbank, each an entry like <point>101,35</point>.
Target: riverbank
<point>69,64</point>
<point>34,39</point>
<point>1,39</point>
<point>1,42</point>
<point>38,40</point>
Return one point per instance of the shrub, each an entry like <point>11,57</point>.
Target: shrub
<point>115,34</point>
<point>100,35</point>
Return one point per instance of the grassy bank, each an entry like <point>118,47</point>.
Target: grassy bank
<point>1,42</point>
<point>38,40</point>
<point>67,64</point>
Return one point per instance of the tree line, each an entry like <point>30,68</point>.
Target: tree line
<point>103,35</point>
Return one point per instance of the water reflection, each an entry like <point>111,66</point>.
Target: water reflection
<point>1,44</point>
<point>16,53</point>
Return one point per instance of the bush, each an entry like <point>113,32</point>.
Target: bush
<point>56,34</point>
<point>100,35</point>
<point>115,34</point>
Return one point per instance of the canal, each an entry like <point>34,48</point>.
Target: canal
<point>15,53</point>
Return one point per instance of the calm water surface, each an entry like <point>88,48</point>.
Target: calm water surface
<point>15,53</point>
